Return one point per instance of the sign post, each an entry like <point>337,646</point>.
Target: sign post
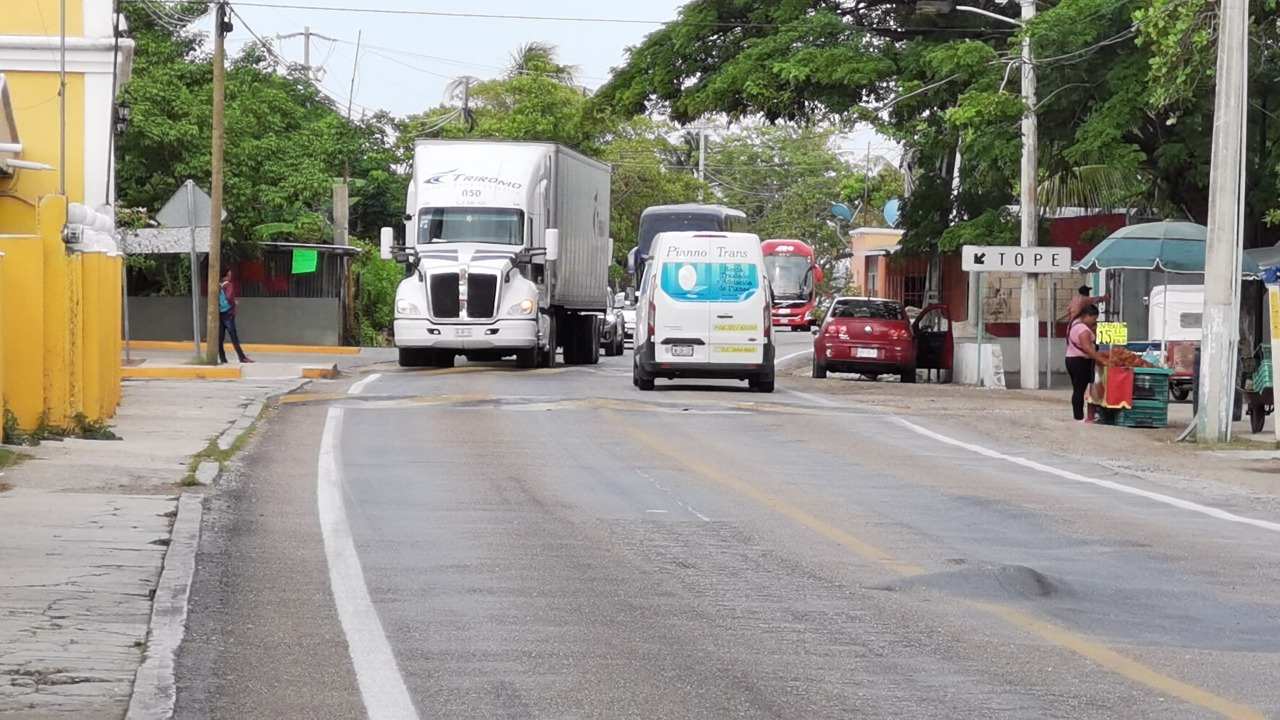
<point>980,259</point>
<point>190,208</point>
<point>1273,305</point>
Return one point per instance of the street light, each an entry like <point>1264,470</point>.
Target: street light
<point>1030,215</point>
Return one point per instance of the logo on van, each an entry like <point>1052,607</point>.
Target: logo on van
<point>709,282</point>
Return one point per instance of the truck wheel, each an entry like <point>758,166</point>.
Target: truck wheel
<point>547,356</point>
<point>410,357</point>
<point>819,370</point>
<point>591,334</point>
<point>569,336</point>
<point>526,359</point>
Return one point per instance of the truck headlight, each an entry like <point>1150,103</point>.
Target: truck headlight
<point>525,307</point>
<point>404,307</point>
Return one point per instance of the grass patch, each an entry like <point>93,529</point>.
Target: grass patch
<point>81,427</point>
<point>201,360</point>
<point>213,453</point>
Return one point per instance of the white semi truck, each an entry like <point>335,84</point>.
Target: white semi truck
<point>507,252</point>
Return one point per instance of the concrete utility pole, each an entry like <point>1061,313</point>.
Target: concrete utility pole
<point>222,26</point>
<point>306,35</point>
<point>1225,243</point>
<point>1030,329</point>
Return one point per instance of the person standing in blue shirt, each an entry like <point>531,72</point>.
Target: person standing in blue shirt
<point>228,303</point>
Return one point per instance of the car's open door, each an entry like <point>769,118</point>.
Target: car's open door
<point>935,348</point>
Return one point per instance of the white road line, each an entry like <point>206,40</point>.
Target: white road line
<point>1110,485</point>
<point>671,495</point>
<point>816,399</point>
<point>381,685</point>
<point>793,355</point>
<point>359,387</point>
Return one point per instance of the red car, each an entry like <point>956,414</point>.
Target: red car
<point>874,337</point>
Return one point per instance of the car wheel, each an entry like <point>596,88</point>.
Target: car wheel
<point>819,370</point>
<point>871,377</point>
<point>908,374</point>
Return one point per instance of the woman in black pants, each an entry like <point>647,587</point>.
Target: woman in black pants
<point>1082,353</point>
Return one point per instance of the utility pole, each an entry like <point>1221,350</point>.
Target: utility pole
<point>306,35</point>
<point>1224,244</point>
<point>222,26</point>
<point>1029,342</point>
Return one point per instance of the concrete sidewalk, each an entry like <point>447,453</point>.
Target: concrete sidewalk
<point>84,528</point>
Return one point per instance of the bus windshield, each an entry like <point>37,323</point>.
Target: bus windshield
<point>652,224</point>
<point>790,275</point>
<point>502,226</point>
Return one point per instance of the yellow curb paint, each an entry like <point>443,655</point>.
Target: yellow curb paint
<point>309,397</point>
<point>192,372</point>
<point>252,348</point>
<point>1060,637</point>
<point>320,373</point>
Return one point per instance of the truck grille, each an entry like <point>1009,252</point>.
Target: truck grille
<point>443,288</point>
<point>482,296</point>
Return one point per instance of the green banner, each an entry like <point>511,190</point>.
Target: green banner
<point>305,261</point>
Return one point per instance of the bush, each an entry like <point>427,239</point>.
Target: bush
<point>376,282</point>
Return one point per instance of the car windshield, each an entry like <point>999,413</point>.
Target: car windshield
<point>651,225</point>
<point>502,226</point>
<point>790,275</point>
<point>867,309</point>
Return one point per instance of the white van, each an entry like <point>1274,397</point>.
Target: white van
<point>704,311</point>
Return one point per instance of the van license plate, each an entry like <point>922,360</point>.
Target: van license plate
<point>682,351</point>
<point>868,353</point>
<point>462,332</point>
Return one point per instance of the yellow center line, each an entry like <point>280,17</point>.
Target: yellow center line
<point>1058,636</point>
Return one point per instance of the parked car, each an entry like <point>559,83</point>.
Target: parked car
<point>611,329</point>
<point>874,337</point>
<point>628,309</point>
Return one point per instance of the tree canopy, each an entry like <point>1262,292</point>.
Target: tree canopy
<point>1123,87</point>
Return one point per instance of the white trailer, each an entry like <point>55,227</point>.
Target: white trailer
<point>507,251</point>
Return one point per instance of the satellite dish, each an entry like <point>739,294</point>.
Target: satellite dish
<point>891,212</point>
<point>841,211</point>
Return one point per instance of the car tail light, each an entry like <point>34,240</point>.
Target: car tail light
<point>897,333</point>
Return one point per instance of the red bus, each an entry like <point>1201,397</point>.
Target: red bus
<point>794,277</point>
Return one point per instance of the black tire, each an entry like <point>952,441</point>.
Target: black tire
<point>908,374</point>
<point>547,357</point>
<point>442,359</point>
<point>591,329</point>
<point>410,357</point>
<point>765,385</point>
<point>527,359</point>
<point>1179,393</point>
<point>640,378</point>
<point>819,370</point>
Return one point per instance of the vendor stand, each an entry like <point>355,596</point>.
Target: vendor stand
<point>1170,249</point>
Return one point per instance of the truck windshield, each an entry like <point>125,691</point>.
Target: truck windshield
<point>502,226</point>
<point>790,275</point>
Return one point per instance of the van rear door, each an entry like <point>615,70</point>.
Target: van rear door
<point>681,314</point>
<point>740,307</point>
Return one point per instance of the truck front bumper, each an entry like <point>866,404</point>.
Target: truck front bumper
<point>501,335</point>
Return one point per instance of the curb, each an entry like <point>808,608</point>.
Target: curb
<point>251,348</point>
<point>154,694</point>
<point>229,437</point>
<point>182,372</point>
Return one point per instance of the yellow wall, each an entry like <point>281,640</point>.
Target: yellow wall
<point>41,17</point>
<point>35,103</point>
<point>22,327</point>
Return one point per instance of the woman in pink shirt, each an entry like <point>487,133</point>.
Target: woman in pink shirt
<point>1082,353</point>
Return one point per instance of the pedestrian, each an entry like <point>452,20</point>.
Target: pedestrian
<point>1082,353</point>
<point>1082,299</point>
<point>228,303</point>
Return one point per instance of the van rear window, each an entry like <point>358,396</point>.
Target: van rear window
<point>867,309</point>
<point>710,282</point>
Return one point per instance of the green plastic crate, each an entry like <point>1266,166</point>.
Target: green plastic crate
<point>1150,386</point>
<point>1143,414</point>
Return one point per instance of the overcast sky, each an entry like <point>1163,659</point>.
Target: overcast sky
<point>406,61</point>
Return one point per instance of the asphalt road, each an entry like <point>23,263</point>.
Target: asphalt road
<point>557,544</point>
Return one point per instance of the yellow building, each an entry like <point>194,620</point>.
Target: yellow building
<point>60,272</point>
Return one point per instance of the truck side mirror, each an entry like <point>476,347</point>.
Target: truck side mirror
<point>553,244</point>
<point>631,262</point>
<point>386,239</point>
<point>610,256</point>
<point>817,274</point>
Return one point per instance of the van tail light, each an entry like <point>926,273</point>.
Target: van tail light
<point>768,322</point>
<point>653,310</point>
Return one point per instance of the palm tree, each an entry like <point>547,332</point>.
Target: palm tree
<point>1100,187</point>
<point>542,59</point>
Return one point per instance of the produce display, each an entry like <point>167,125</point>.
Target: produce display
<point>1119,357</point>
